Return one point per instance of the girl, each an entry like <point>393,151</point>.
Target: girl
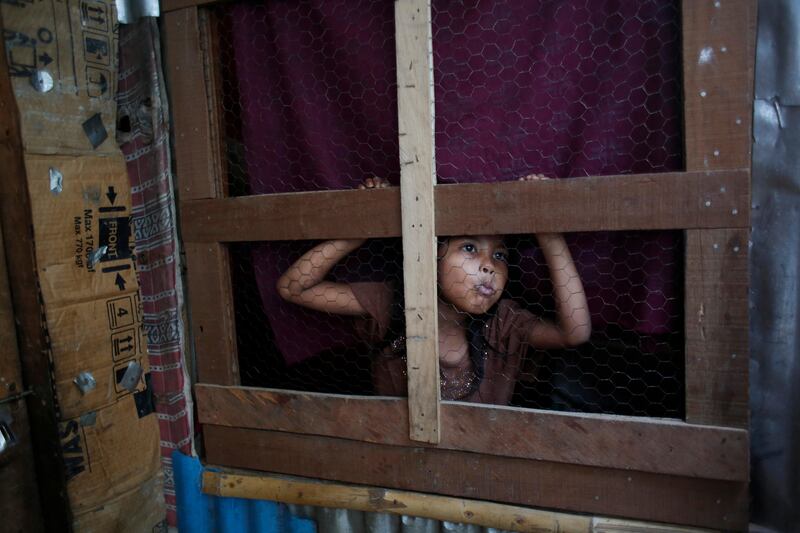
<point>482,336</point>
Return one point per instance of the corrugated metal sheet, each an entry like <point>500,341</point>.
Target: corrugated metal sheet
<point>202,513</point>
<point>774,268</point>
<point>339,520</point>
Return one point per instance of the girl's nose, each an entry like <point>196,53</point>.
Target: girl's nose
<point>486,269</point>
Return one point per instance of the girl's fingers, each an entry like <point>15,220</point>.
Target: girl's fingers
<point>374,183</point>
<point>534,177</point>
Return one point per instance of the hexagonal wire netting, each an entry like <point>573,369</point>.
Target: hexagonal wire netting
<point>563,88</point>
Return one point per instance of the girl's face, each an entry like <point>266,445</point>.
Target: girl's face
<point>473,272</point>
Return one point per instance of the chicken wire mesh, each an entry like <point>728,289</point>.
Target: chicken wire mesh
<point>566,88</point>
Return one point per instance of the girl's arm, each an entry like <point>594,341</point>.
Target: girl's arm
<point>304,283</point>
<point>574,323</point>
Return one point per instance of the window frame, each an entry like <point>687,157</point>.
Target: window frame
<point>694,471</point>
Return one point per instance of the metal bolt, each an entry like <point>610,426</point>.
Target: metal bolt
<point>42,81</point>
<point>734,211</point>
<point>85,382</point>
<point>708,203</point>
<point>56,181</point>
<point>703,94</point>
<point>736,249</point>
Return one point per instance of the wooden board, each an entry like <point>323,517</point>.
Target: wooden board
<point>717,327</point>
<point>212,314</point>
<point>196,149</point>
<point>15,219</point>
<point>645,201</point>
<point>334,495</point>
<point>644,444</point>
<point>192,51</point>
<point>719,52</point>
<point>699,502</point>
<point>302,491</point>
<point>718,59</point>
<point>413,41</point>
<point>19,493</point>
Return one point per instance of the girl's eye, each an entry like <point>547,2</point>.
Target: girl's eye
<point>501,256</point>
<point>470,248</point>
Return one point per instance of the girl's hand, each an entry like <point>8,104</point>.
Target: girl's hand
<point>534,177</point>
<point>545,239</point>
<point>374,183</point>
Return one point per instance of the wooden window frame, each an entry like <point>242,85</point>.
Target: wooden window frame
<point>693,472</point>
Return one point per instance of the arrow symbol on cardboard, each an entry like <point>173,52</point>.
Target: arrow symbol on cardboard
<point>45,59</point>
<point>111,195</point>
<point>120,282</point>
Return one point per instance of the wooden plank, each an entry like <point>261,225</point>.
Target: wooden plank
<point>717,327</point>
<point>644,444</point>
<point>196,154</point>
<point>333,495</point>
<point>415,101</point>
<point>212,314</point>
<point>11,383</point>
<point>719,57</point>
<point>606,203</point>
<point>719,50</point>
<point>31,334</point>
<point>212,57</point>
<point>19,493</point>
<point>192,49</point>
<point>303,491</point>
<point>641,496</point>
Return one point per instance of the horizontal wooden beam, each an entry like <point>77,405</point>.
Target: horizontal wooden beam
<point>633,495</point>
<point>295,490</point>
<point>647,445</point>
<point>369,499</point>
<point>677,200</point>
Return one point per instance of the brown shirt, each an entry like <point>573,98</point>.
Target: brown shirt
<point>506,335</point>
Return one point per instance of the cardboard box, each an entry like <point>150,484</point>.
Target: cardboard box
<point>74,46</point>
<point>108,453</point>
<point>85,254</point>
<point>139,510</point>
<point>63,62</point>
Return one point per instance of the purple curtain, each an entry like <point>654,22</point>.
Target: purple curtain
<point>567,88</point>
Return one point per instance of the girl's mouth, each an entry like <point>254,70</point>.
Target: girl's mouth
<point>484,289</point>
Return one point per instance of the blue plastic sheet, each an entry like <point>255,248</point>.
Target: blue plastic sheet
<point>203,513</point>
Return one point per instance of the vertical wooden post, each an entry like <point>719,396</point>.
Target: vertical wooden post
<point>31,334</point>
<point>417,179</point>
<point>200,174</point>
<point>718,59</point>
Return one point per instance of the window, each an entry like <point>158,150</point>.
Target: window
<point>659,238</point>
